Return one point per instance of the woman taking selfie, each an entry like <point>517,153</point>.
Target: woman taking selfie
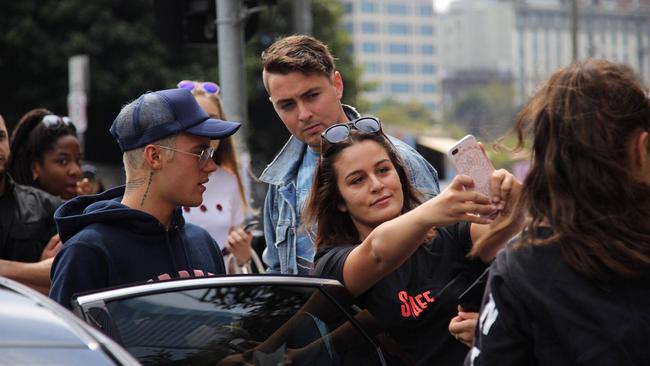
<point>574,288</point>
<point>384,249</point>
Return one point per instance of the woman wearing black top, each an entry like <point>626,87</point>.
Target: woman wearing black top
<point>372,237</point>
<point>574,288</point>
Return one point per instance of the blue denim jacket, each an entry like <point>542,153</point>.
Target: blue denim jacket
<point>280,215</point>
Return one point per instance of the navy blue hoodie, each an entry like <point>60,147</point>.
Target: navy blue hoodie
<point>109,244</point>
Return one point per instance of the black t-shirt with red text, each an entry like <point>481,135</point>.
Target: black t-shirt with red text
<point>416,302</point>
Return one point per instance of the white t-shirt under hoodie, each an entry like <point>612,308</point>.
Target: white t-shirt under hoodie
<point>221,208</point>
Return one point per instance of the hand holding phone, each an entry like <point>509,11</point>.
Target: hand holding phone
<point>470,159</point>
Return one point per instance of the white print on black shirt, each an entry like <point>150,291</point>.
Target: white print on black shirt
<point>473,354</point>
<point>488,315</point>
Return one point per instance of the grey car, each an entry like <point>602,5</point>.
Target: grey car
<point>37,331</point>
<point>237,319</point>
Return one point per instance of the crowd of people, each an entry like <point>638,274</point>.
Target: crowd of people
<point>566,250</point>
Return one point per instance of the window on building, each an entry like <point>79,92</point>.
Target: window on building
<point>370,47</point>
<point>399,68</point>
<point>399,48</point>
<point>348,27</point>
<point>347,7</point>
<point>396,9</point>
<point>400,88</point>
<point>369,27</point>
<point>427,49</point>
<point>426,10</point>
<point>431,106</point>
<point>426,30</point>
<point>372,67</point>
<point>368,7</point>
<point>428,88</point>
<point>399,28</point>
<point>428,69</point>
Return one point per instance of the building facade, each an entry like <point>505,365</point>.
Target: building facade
<point>530,39</point>
<point>395,42</point>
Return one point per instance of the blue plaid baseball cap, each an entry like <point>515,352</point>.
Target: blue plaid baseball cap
<point>160,114</point>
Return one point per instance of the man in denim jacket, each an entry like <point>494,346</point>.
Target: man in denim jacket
<point>305,90</point>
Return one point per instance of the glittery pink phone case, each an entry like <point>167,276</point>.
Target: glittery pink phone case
<point>470,160</point>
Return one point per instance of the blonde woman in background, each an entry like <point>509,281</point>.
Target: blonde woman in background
<point>224,206</point>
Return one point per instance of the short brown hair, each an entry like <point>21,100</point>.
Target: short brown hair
<point>298,53</point>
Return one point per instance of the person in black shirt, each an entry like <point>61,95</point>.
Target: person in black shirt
<point>372,238</point>
<point>573,289</point>
<point>27,231</point>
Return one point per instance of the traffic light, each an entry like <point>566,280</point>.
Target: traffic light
<point>193,22</point>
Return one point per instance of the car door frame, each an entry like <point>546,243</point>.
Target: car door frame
<point>83,303</point>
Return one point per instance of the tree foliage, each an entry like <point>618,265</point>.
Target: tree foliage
<point>410,117</point>
<point>486,111</point>
<point>127,58</point>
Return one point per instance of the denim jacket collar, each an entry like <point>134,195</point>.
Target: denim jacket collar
<point>284,166</point>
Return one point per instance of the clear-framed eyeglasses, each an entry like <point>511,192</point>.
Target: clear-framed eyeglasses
<point>204,156</point>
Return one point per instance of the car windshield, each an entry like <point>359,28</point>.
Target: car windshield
<point>261,325</point>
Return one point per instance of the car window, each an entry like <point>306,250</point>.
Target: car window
<point>261,325</point>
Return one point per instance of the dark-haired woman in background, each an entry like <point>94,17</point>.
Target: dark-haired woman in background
<point>46,154</point>
<point>574,289</point>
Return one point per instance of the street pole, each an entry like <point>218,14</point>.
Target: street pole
<point>230,33</point>
<point>301,16</point>
<point>232,70</point>
<point>79,86</point>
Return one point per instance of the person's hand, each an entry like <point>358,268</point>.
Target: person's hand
<point>463,326</point>
<point>504,190</point>
<point>459,202</point>
<point>84,187</point>
<point>239,244</point>
<point>52,248</point>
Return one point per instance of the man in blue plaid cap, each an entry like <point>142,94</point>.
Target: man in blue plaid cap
<point>136,233</point>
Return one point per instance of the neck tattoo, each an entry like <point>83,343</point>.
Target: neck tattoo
<point>147,190</point>
<point>134,185</point>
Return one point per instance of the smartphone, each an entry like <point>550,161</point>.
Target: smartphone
<point>471,160</point>
<point>250,224</point>
<point>470,300</point>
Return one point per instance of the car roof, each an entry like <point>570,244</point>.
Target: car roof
<point>36,330</point>
<point>27,323</point>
